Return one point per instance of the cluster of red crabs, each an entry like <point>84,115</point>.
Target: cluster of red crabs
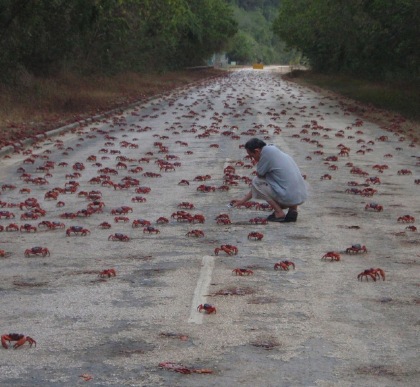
<point>362,188</point>
<point>132,169</point>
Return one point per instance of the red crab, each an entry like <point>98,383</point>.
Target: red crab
<point>223,220</point>
<point>356,249</point>
<point>202,178</point>
<point>108,273</point>
<point>333,256</point>
<point>326,177</point>
<point>257,236</point>
<point>140,223</point>
<point>104,225</point>
<point>118,237</point>
<point>78,167</point>
<point>121,165</point>
<point>5,187</point>
<point>406,219</point>
<point>228,249</point>
<point>373,180</point>
<point>373,273</point>
<point>151,174</point>
<point>12,227</point>
<point>51,225</point>
<point>374,207</point>
<point>198,218</point>
<point>284,265</point>
<point>6,214</point>
<point>138,199</point>
<point>121,219</point>
<point>195,233</point>
<point>344,152</point>
<point>142,190</point>
<point>184,182</point>
<point>77,230</point>
<point>209,309</point>
<point>68,215</point>
<point>368,192</point>
<point>19,338</point>
<point>51,195</point>
<point>206,188</point>
<point>150,230</point>
<point>37,251</point>
<point>167,167</point>
<point>404,172</point>
<point>380,167</point>
<point>27,228</point>
<point>242,272</point>
<point>162,220</point>
<point>180,214</point>
<point>121,210</point>
<point>411,228</point>
<point>136,170</point>
<point>85,212</point>
<point>186,205</point>
<point>258,220</point>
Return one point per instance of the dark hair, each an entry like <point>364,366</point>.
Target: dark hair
<point>254,143</point>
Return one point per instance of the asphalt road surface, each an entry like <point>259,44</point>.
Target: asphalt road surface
<point>313,325</point>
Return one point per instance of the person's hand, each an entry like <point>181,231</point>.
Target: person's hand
<point>234,203</point>
<point>238,203</point>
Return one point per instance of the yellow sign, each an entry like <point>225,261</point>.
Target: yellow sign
<point>258,66</point>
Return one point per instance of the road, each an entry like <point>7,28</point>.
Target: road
<point>315,325</point>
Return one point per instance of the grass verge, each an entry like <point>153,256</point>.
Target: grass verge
<point>398,97</point>
<point>38,104</point>
<point>373,100</point>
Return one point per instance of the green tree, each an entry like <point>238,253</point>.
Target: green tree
<point>42,36</point>
<point>254,23</point>
<point>243,49</point>
<point>375,38</point>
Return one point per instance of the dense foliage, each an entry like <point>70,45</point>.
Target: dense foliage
<point>374,38</point>
<point>255,40</point>
<point>43,36</point>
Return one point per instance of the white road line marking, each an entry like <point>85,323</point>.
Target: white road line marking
<point>201,289</point>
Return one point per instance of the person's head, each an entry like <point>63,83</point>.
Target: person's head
<point>254,147</point>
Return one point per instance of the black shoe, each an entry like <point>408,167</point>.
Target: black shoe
<point>274,219</point>
<point>291,216</point>
<point>271,216</point>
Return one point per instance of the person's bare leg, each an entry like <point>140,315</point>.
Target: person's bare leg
<point>278,210</point>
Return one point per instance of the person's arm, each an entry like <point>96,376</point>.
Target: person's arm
<point>264,164</point>
<point>237,203</point>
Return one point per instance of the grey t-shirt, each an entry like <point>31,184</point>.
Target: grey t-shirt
<point>283,175</point>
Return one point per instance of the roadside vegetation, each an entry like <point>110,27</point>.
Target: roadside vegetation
<point>40,104</point>
<point>45,37</point>
<point>369,39</point>
<point>398,97</point>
